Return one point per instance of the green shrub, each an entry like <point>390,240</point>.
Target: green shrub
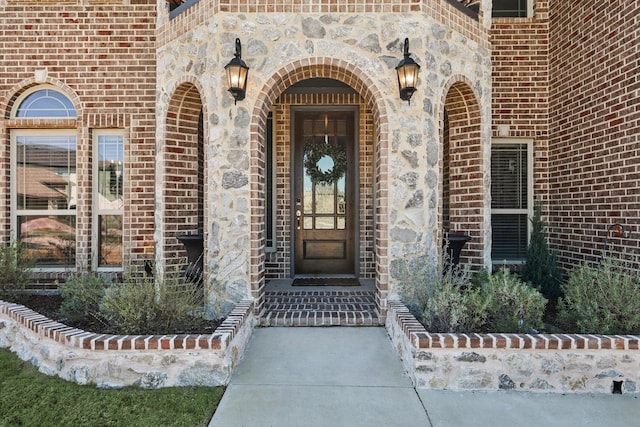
<point>603,299</point>
<point>452,309</point>
<point>144,305</point>
<point>512,305</point>
<point>432,294</point>
<point>15,269</point>
<point>81,296</point>
<point>541,266</point>
<point>451,301</point>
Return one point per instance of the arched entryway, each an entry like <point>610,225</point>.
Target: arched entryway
<point>462,169</point>
<point>340,89</point>
<point>182,171</point>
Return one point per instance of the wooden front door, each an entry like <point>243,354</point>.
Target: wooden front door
<point>325,174</point>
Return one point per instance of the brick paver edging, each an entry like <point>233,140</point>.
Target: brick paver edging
<point>421,339</point>
<point>73,337</point>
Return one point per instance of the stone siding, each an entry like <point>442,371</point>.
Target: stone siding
<point>362,50</point>
<point>557,363</point>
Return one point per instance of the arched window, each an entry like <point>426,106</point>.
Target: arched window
<point>45,103</point>
<point>44,184</point>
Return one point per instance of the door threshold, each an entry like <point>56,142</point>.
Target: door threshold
<point>324,276</point>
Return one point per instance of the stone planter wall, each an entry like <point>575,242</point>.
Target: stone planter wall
<point>113,361</point>
<point>545,363</point>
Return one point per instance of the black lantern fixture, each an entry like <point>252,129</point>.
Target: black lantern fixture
<point>237,72</point>
<point>407,71</point>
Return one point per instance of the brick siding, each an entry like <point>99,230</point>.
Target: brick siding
<point>102,55</point>
<point>567,79</point>
<point>184,170</point>
<point>463,187</point>
<point>520,57</point>
<point>594,157</point>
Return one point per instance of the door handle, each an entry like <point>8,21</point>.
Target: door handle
<point>298,218</point>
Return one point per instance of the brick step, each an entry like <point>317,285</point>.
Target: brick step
<point>320,308</point>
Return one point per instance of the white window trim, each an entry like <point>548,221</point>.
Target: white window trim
<point>96,212</point>
<point>530,188</point>
<point>13,190</point>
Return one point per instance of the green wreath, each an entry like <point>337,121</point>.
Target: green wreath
<point>315,152</point>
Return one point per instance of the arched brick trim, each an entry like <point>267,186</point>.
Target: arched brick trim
<point>462,154</point>
<point>24,85</point>
<point>182,173</point>
<point>288,75</point>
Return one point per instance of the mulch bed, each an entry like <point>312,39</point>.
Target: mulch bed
<point>49,305</point>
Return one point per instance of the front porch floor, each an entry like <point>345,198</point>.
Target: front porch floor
<point>286,305</point>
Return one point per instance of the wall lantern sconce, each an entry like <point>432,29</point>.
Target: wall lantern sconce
<point>237,72</point>
<point>407,71</point>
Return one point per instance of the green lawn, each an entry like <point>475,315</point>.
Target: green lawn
<point>28,398</point>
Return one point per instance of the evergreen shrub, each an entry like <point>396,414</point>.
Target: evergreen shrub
<point>541,266</point>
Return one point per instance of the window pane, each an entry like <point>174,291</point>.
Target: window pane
<point>509,236</point>
<point>325,198</point>
<point>324,223</point>
<point>46,103</point>
<point>509,8</point>
<point>110,171</point>
<point>110,240</point>
<point>308,223</point>
<point>46,172</point>
<point>342,204</point>
<point>50,240</point>
<point>509,176</point>
<point>307,195</point>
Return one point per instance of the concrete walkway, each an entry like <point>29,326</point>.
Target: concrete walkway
<point>353,377</point>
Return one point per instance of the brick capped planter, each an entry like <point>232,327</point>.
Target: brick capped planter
<point>112,361</point>
<point>533,362</point>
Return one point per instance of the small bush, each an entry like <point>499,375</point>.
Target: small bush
<point>81,296</point>
<point>144,305</point>
<point>434,297</point>
<point>604,299</point>
<point>512,305</point>
<point>452,309</point>
<point>15,269</point>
